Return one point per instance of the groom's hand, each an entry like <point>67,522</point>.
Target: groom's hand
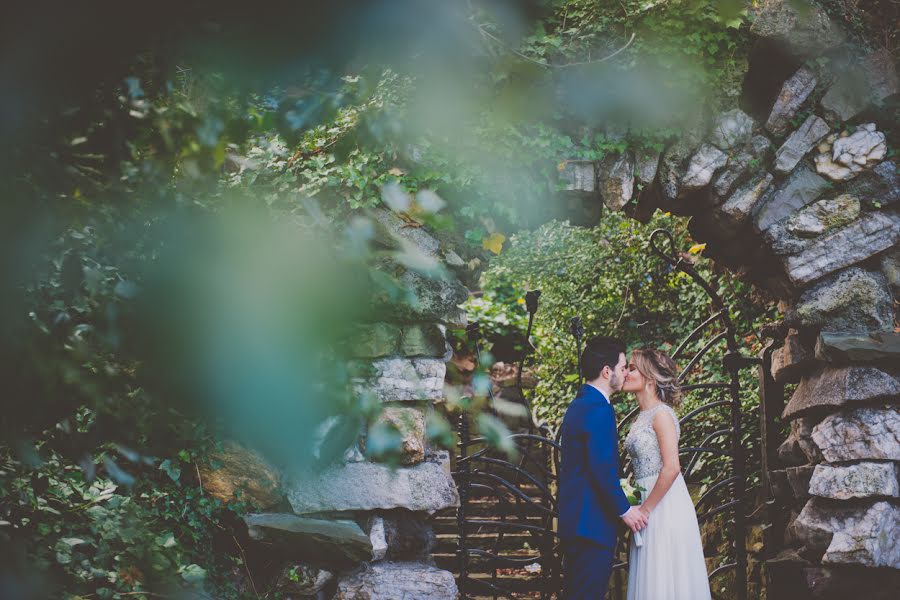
<point>635,519</point>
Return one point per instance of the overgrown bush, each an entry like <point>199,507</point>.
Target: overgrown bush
<point>608,277</point>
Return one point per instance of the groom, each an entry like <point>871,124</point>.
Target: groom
<point>591,502</point>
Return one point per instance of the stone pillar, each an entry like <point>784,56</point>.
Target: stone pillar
<point>360,529</point>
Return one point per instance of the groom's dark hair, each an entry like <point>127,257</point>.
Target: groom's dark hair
<point>600,351</point>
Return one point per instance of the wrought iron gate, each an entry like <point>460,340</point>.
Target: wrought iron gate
<point>507,542</point>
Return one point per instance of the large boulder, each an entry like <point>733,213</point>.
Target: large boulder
<point>862,480</point>
<point>851,155</point>
<point>858,86</point>
<point>432,297</point>
<point>317,540</point>
<point>792,360</point>
<point>793,94</point>
<point>832,388</point>
<point>852,301</point>
<point>731,129</point>
<point>801,188</point>
<point>671,168</point>
<point>378,340</point>
<point>802,429</point>
<point>890,266</point>
<point>858,347</point>
<point>861,535</point>
<point>798,478</point>
<point>578,176</point>
<point>736,210</point>
<point>790,453</point>
<point>615,180</point>
<point>824,216</point>
<point>426,487</point>
<point>394,580</point>
<point>394,232</point>
<point>378,538</point>
<point>646,164</point>
<point>703,165</point>
<point>799,143</point>
<point>878,187</point>
<point>870,235</point>
<point>408,537</point>
<point>409,423</point>
<point>746,162</point>
<point>400,379</point>
<point>239,473</point>
<point>870,433</point>
<point>804,29</point>
<point>426,340</point>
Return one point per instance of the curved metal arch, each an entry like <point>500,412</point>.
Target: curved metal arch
<point>679,264</point>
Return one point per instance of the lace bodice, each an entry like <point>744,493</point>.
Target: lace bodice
<point>642,445</point>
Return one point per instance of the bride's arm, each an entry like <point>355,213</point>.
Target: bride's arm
<point>664,426</point>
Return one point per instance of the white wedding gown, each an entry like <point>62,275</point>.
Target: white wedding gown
<point>669,564</point>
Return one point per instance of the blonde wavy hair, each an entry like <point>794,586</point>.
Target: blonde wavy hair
<point>659,368</point>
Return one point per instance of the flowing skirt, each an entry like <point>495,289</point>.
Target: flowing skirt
<point>669,565</point>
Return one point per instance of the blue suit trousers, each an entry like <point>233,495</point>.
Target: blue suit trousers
<point>586,569</point>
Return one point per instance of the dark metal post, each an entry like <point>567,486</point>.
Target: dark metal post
<point>531,305</point>
<point>771,405</point>
<point>737,467</point>
<point>577,329</point>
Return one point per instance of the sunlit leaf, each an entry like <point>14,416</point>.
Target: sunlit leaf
<point>193,573</point>
<point>494,242</point>
<point>172,470</point>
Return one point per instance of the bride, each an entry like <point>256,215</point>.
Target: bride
<point>668,564</point>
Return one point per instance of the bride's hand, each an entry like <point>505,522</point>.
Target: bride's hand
<point>645,511</point>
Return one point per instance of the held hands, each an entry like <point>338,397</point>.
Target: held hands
<point>635,518</point>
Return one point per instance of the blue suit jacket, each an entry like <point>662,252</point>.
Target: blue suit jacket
<point>590,497</point>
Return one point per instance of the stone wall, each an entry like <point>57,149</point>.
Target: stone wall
<point>800,198</point>
<point>361,529</point>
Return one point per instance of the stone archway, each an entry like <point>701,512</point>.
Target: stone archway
<point>801,199</point>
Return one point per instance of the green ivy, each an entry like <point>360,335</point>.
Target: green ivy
<point>609,278</point>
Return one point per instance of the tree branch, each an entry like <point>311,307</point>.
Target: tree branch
<point>487,34</point>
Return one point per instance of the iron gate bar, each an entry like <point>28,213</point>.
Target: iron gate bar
<point>697,411</point>
<point>523,490</point>
<point>694,334</point>
<point>704,386</point>
<point>700,354</point>
<point>714,488</point>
